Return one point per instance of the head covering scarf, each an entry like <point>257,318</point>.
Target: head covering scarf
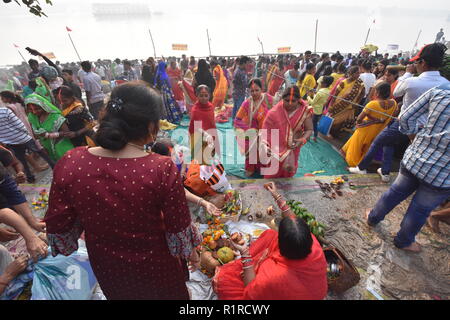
<point>161,74</point>
<point>52,123</point>
<point>49,73</point>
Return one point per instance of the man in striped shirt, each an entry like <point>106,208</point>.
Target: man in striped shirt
<point>15,136</point>
<point>425,168</point>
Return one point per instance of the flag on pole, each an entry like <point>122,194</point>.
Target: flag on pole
<point>68,29</point>
<point>15,45</point>
<point>374,21</point>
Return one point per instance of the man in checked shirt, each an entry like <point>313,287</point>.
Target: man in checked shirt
<point>425,167</point>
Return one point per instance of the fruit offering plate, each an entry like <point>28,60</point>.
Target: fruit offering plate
<point>217,248</point>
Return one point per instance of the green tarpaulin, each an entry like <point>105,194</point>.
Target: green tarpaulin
<point>314,156</point>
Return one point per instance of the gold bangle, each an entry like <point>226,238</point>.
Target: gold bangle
<point>247,267</point>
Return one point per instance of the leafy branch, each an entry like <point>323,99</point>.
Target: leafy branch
<point>33,6</point>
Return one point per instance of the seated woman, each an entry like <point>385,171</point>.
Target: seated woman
<point>207,178</point>
<point>286,129</point>
<point>342,106</point>
<point>284,265</point>
<point>49,125</point>
<point>371,121</point>
<point>249,120</point>
<point>79,119</point>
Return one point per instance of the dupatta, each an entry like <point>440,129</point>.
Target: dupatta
<point>289,129</point>
<point>52,123</point>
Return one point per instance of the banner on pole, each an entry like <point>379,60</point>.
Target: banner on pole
<point>180,47</point>
<point>284,50</point>
<point>392,47</point>
<point>49,55</point>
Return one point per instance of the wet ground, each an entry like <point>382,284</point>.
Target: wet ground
<point>386,272</point>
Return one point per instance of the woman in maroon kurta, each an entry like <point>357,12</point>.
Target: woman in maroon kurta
<point>131,205</point>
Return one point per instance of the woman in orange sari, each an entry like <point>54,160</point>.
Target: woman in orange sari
<point>276,78</point>
<point>371,121</point>
<point>220,92</point>
<point>287,128</point>
<point>284,265</point>
<point>175,76</point>
<point>249,120</point>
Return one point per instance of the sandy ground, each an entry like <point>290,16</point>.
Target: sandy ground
<point>389,272</point>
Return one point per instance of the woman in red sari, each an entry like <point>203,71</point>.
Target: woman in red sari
<point>276,78</point>
<point>249,120</point>
<point>131,205</point>
<point>202,120</point>
<point>175,76</point>
<point>284,265</point>
<point>286,129</point>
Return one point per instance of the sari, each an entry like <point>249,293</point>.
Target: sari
<point>359,143</point>
<point>276,277</point>
<point>175,77</point>
<point>44,90</point>
<point>56,148</point>
<point>189,95</point>
<point>343,111</point>
<point>171,110</point>
<point>220,92</point>
<point>282,156</point>
<point>276,80</point>
<point>78,117</point>
<point>250,117</point>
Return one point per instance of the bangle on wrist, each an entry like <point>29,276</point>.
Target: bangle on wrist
<point>248,267</point>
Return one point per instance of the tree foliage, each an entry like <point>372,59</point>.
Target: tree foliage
<point>33,6</point>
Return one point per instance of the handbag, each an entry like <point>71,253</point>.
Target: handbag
<point>324,125</point>
<point>348,276</point>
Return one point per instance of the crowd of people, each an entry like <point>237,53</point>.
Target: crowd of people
<point>94,123</point>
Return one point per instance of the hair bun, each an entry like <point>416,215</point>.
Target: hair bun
<point>111,135</point>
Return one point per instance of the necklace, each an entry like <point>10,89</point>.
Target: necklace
<point>136,146</point>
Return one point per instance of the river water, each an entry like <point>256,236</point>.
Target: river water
<point>234,27</point>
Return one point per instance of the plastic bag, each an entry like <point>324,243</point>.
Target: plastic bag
<point>64,278</point>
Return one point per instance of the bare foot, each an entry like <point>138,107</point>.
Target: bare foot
<point>366,215</point>
<point>413,247</point>
<point>433,223</point>
<point>16,267</point>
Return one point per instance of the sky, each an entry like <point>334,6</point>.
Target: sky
<point>234,27</point>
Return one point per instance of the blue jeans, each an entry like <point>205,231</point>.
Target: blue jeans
<point>425,200</point>
<point>316,119</point>
<point>237,104</point>
<point>386,141</point>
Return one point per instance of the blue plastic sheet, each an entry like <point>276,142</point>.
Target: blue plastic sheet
<point>64,278</point>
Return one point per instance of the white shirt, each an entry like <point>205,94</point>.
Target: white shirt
<point>93,84</point>
<point>412,88</point>
<point>369,80</point>
<point>81,74</point>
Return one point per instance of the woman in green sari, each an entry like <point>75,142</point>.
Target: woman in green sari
<point>49,125</point>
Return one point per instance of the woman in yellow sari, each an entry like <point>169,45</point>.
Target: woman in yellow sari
<point>342,107</point>
<point>220,92</point>
<point>372,120</point>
